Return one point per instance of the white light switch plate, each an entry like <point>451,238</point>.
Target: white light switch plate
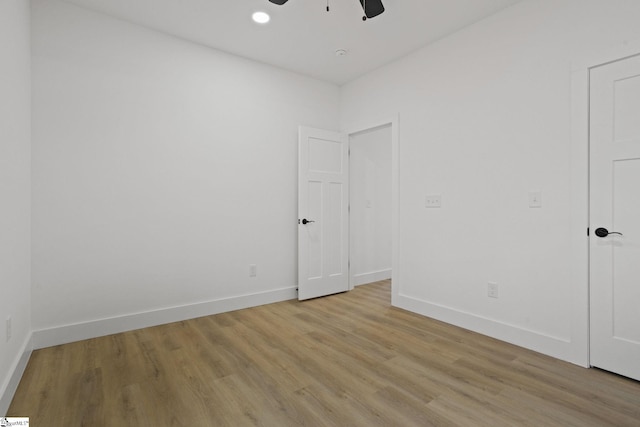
<point>433,201</point>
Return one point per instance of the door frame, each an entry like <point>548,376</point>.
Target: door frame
<point>360,127</point>
<point>580,190</point>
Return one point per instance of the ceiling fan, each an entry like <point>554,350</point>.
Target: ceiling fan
<point>372,8</point>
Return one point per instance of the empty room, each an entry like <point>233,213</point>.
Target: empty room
<point>320,212</point>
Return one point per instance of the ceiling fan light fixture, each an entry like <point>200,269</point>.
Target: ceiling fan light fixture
<point>260,17</point>
<point>372,8</point>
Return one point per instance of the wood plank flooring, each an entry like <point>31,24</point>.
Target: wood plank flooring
<point>344,360</point>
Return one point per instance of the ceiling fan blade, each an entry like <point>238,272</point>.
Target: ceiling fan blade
<point>280,2</point>
<point>372,8</point>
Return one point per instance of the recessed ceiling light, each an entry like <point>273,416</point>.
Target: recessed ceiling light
<point>341,52</point>
<point>261,17</point>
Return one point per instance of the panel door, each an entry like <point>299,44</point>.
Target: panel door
<point>323,216</point>
<point>615,208</point>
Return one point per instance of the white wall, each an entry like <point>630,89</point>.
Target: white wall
<point>15,211</point>
<point>162,170</point>
<point>370,201</point>
<point>485,117</point>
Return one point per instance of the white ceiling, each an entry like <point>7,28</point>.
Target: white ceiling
<point>302,36</point>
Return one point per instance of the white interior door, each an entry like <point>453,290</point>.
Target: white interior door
<point>615,207</point>
<point>323,213</point>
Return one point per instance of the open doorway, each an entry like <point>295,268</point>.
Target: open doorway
<point>370,216</point>
<point>321,153</point>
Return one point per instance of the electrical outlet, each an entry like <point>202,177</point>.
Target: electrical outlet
<point>8,328</point>
<point>535,199</point>
<point>253,270</point>
<point>492,290</point>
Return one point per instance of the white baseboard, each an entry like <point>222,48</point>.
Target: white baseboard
<point>558,347</point>
<point>102,327</point>
<point>9,389</point>
<point>370,277</point>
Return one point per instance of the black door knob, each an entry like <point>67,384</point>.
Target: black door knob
<point>306,221</point>
<point>603,232</point>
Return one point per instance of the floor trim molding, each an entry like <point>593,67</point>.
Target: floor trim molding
<point>96,328</point>
<point>370,277</point>
<point>19,367</point>
<point>557,347</point>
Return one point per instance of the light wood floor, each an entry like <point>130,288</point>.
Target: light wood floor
<point>344,360</point>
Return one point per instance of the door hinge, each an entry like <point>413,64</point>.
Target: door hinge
<point>587,231</point>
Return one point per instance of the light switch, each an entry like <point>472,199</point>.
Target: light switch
<point>433,201</point>
<point>535,199</point>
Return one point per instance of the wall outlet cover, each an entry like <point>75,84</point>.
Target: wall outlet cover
<point>535,199</point>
